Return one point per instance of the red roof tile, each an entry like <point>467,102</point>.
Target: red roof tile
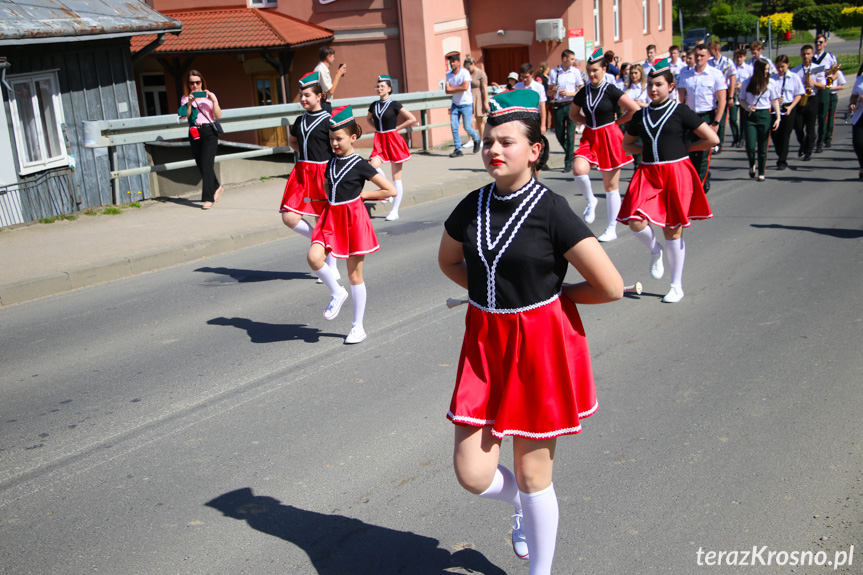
<point>234,29</point>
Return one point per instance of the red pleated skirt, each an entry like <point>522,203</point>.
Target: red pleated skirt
<point>307,180</point>
<point>391,147</point>
<point>603,148</point>
<point>346,230</point>
<point>526,373</point>
<point>668,195</point>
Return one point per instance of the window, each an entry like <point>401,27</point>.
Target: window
<point>660,20</point>
<point>616,17</point>
<point>37,115</point>
<point>596,35</point>
<point>644,16</point>
<point>154,94</point>
<point>263,3</point>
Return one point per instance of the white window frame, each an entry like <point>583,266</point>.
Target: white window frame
<point>597,23</point>
<point>645,22</point>
<point>155,90</point>
<point>46,163</point>
<point>263,3</point>
<point>660,21</point>
<point>615,10</point>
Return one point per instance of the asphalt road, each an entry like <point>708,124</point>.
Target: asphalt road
<point>206,419</point>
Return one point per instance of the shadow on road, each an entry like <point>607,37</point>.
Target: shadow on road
<point>250,276</point>
<point>260,332</point>
<point>337,545</point>
<point>842,234</point>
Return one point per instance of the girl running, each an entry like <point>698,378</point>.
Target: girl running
<point>525,366</point>
<point>389,117</point>
<point>344,229</point>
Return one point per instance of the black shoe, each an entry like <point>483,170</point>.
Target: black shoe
<point>567,169</point>
<point>781,166</point>
<point>828,145</point>
<point>800,153</point>
<point>456,154</point>
<point>751,171</point>
<point>707,184</point>
<point>739,143</point>
<point>717,152</point>
<point>477,145</point>
<point>819,149</point>
<point>807,157</point>
<point>860,175</point>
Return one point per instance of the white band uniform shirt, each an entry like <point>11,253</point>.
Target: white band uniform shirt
<point>638,93</point>
<point>825,59</point>
<point>569,80</point>
<point>724,65</point>
<point>790,85</point>
<point>307,179</point>
<point>525,366</point>
<point>816,74</point>
<point>701,88</point>
<point>857,90</point>
<point>770,64</point>
<point>456,81</point>
<point>535,86</point>
<point>759,101</point>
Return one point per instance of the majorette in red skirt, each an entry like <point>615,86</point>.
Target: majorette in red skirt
<point>667,194</point>
<point>538,358</point>
<point>390,146</point>
<point>602,148</point>
<point>307,180</point>
<point>345,229</point>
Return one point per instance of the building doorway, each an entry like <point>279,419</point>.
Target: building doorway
<point>500,61</point>
<point>268,91</point>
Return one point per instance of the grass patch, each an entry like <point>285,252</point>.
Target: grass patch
<point>91,213</point>
<point>134,205</point>
<point>52,219</point>
<point>111,211</point>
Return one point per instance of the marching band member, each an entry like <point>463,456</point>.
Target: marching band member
<point>742,72</point>
<point>564,81</point>
<point>389,117</point>
<point>827,99</point>
<point>790,90</point>
<point>703,89</point>
<point>756,48</point>
<point>758,96</point>
<point>596,106</point>
<point>636,89</point>
<point>344,229</point>
<point>856,111</point>
<point>726,66</point>
<point>807,111</point>
<point>525,367</point>
<point>666,190</point>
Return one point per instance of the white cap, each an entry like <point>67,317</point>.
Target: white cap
<point>512,76</point>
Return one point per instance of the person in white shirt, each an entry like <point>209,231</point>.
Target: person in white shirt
<point>756,48</point>
<point>742,71</point>
<point>790,91</point>
<point>814,80</point>
<point>525,73</point>
<point>676,65</point>
<point>328,83</point>
<point>651,58</point>
<point>856,111</point>
<point>726,66</point>
<point>704,91</point>
<point>564,81</point>
<point>828,99</point>
<point>458,84</point>
<point>758,96</point>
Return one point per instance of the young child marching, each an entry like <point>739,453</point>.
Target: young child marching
<point>596,107</point>
<point>525,367</point>
<point>665,190</point>
<point>389,117</point>
<point>344,228</point>
<point>305,193</point>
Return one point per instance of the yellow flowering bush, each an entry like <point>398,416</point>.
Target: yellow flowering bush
<point>781,22</point>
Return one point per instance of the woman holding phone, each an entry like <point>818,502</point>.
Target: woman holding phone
<point>202,110</point>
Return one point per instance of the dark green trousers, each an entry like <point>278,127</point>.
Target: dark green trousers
<point>564,129</point>
<point>823,113</point>
<point>831,117</point>
<point>721,133</point>
<point>701,160</point>
<point>757,128</point>
<point>736,132</point>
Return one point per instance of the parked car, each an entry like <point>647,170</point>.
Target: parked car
<point>695,36</point>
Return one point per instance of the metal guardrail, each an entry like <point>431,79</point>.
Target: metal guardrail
<point>123,132</point>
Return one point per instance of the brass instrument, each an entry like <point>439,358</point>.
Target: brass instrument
<point>830,72</point>
<point>809,91</point>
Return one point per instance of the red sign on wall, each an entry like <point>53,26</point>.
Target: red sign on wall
<point>576,33</point>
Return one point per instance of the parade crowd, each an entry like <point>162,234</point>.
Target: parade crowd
<point>525,367</point>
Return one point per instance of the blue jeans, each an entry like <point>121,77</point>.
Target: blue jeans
<point>466,113</point>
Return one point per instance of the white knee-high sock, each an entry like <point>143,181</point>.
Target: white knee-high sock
<point>583,185</point>
<point>503,488</point>
<point>397,201</point>
<point>541,516</point>
<point>358,294</point>
<point>303,228</point>
<point>380,171</point>
<point>329,278</point>
<point>332,263</point>
<point>676,255</point>
<point>648,238</point>
<point>612,207</point>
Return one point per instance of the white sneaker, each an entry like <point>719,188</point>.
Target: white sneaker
<point>608,236</point>
<point>589,211</point>
<point>356,335</point>
<point>392,216</point>
<point>657,270</point>
<point>674,295</point>
<point>519,541</point>
<point>335,304</point>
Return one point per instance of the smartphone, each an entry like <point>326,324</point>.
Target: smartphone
<point>199,94</point>
<point>340,67</point>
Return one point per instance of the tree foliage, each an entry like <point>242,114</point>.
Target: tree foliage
<point>851,16</point>
<point>795,5</point>
<point>727,22</point>
<point>821,18</point>
<point>781,22</point>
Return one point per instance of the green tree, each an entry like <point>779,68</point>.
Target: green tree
<point>729,23</point>
<point>853,16</point>
<point>821,18</point>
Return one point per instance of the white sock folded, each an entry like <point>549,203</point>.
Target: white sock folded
<point>541,516</point>
<point>358,294</point>
<point>503,488</point>
<point>676,252</point>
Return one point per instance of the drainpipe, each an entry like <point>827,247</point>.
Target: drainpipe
<point>149,48</point>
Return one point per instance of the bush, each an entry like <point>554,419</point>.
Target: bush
<point>781,22</point>
<point>795,5</point>
<point>821,18</point>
